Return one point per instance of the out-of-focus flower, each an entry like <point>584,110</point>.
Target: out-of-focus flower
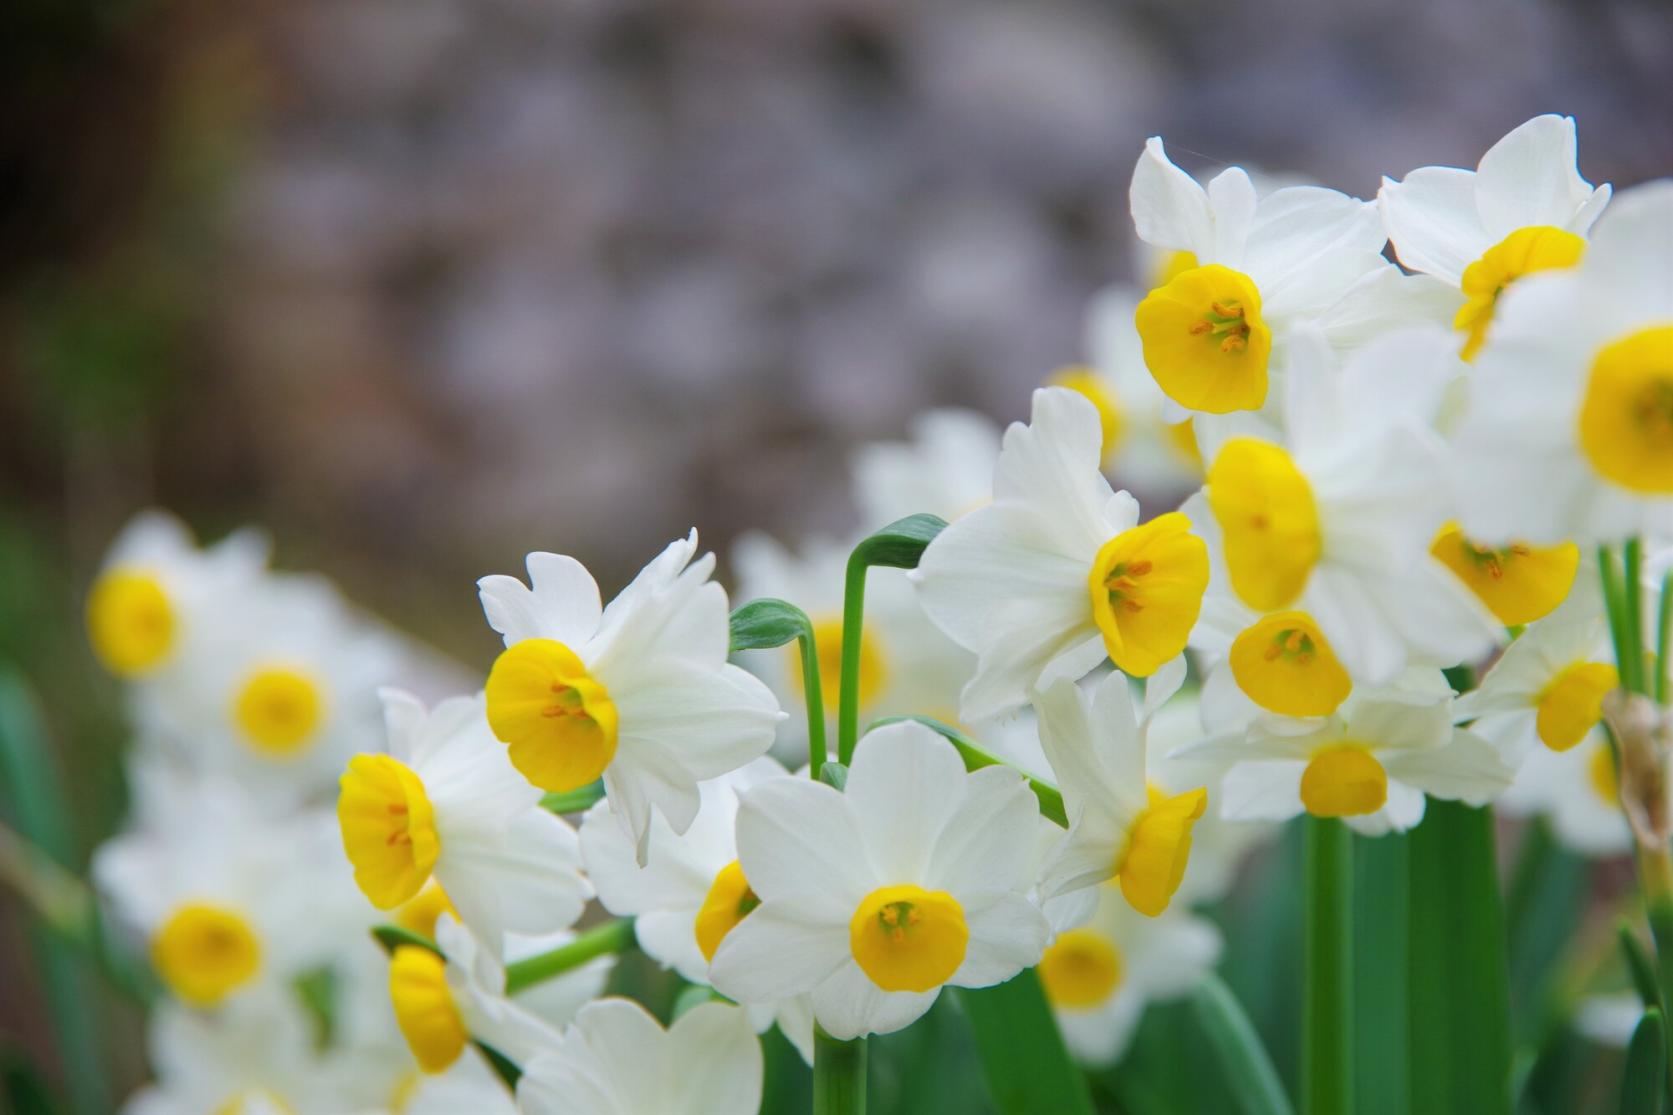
<point>945,469</point>
<point>639,693</point>
<point>1577,791</point>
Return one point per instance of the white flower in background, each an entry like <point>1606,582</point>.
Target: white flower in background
<point>1121,824</point>
<point>228,902</point>
<point>1319,540</point>
<point>1578,792</point>
<point>1524,209</point>
<point>1057,574</point>
<point>875,898</point>
<point>906,664</point>
<point>471,1085</point>
<point>1370,763</point>
<point>1100,976</point>
<point>616,1060</point>
<point>446,802</point>
<point>156,586</point>
<point>1263,266</point>
<point>945,469</point>
<point>639,693</point>
<point>1569,431</point>
<point>276,687</point>
<point>691,892</point>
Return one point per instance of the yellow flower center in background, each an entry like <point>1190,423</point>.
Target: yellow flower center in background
<point>557,720</point>
<point>1345,781</point>
<point>1265,509</point>
<point>1284,664</point>
<point>424,1008</point>
<point>1606,784</point>
<point>1152,865</point>
<point>1100,394</point>
<point>420,913</point>
<point>1181,437</point>
<point>827,645</point>
<point>1146,586</point>
<point>1572,703</point>
<point>1518,583</point>
<point>906,938</point>
<point>203,953</point>
<point>279,711</point>
<point>1204,340</point>
<point>1536,248</point>
<point>389,829</point>
<point>253,1099</point>
<point>130,622</point>
<point>728,902</point>
<point>1626,418</point>
<point>1080,970</point>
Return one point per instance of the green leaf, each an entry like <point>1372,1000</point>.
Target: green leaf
<point>22,1091</point>
<point>1243,1060</point>
<point>1460,1004</point>
<point>1027,1066</point>
<point>392,937</point>
<point>1639,966</point>
<point>1643,1077</point>
<point>1050,798</point>
<point>767,623</point>
<point>1327,993</point>
<point>1543,906</point>
<point>503,1066</point>
<point>1381,895</point>
<point>574,801</point>
<point>901,543</point>
<point>834,774</point>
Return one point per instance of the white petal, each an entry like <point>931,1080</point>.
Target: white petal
<point>986,846</point>
<point>1531,177</point>
<point>714,1061</point>
<point>1263,791</point>
<point>1432,221</point>
<point>1005,938</point>
<point>1169,209</point>
<point>905,784</point>
<point>799,838</point>
<point>779,950</point>
<point>848,1005</point>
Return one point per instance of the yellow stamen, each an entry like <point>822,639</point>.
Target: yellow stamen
<point>906,938</point>
<point>1265,509</point>
<point>279,711</point>
<point>1080,970</point>
<point>728,902</point>
<point>203,953</point>
<point>389,829</point>
<point>1344,781</point>
<point>130,622</point>
<point>1146,586</point>
<point>1518,583</point>
<point>557,719</point>
<point>1205,341</point>
<point>1284,664</point>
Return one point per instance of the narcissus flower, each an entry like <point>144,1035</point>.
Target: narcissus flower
<point>616,1059</point>
<point>692,891</point>
<point>875,898</point>
<point>1569,431</point>
<point>1122,826</point>
<point>445,802</point>
<point>1057,574</point>
<point>1578,792</point>
<point>1524,209</point>
<point>945,469</point>
<point>1370,763</point>
<point>1100,977</point>
<point>639,693</point>
<point>1209,333</point>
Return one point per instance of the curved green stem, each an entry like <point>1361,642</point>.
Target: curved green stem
<point>815,700</point>
<point>853,621</point>
<point>1327,1039</point>
<point>601,940</point>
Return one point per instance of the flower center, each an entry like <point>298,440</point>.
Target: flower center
<point>1600,770</point>
<point>1080,970</point>
<point>1204,340</point>
<point>1270,524</point>
<point>827,645</point>
<point>424,1008</point>
<point>1518,583</point>
<point>728,902</point>
<point>906,938</point>
<point>1146,586</point>
<point>1090,385</point>
<point>1536,248</point>
<point>1284,664</point>
<point>1344,781</point>
<point>558,722</point>
<point>1626,418</point>
<point>1572,703</point>
<point>279,711</point>
<point>130,622</point>
<point>204,952</point>
<point>1152,865</point>
<point>389,829</point>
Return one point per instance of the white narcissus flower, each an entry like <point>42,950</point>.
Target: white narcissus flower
<point>1056,574</point>
<point>1578,792</point>
<point>1524,209</point>
<point>945,469</point>
<point>1121,824</point>
<point>691,892</point>
<point>155,587</point>
<point>639,693</point>
<point>1100,977</point>
<point>616,1060</point>
<point>1320,537</point>
<point>1263,266</point>
<point>907,665</point>
<point>874,898</point>
<point>445,801</point>
<point>1370,763</point>
<point>1568,433</point>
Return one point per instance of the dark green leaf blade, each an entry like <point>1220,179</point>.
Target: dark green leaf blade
<point>1643,1078</point>
<point>1027,1066</point>
<point>1243,1060</point>
<point>901,543</point>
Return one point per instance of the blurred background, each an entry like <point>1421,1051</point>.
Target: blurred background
<point>421,285</point>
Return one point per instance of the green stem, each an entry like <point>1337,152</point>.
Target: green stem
<point>1243,1059</point>
<point>601,940</point>
<point>853,620</point>
<point>839,1075</point>
<point>815,701</point>
<point>1664,632</point>
<point>574,801</point>
<point>1327,1040</point>
<point>1632,600</point>
<point>1614,602</point>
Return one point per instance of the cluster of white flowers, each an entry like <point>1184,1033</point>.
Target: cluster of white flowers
<point>1393,472</point>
